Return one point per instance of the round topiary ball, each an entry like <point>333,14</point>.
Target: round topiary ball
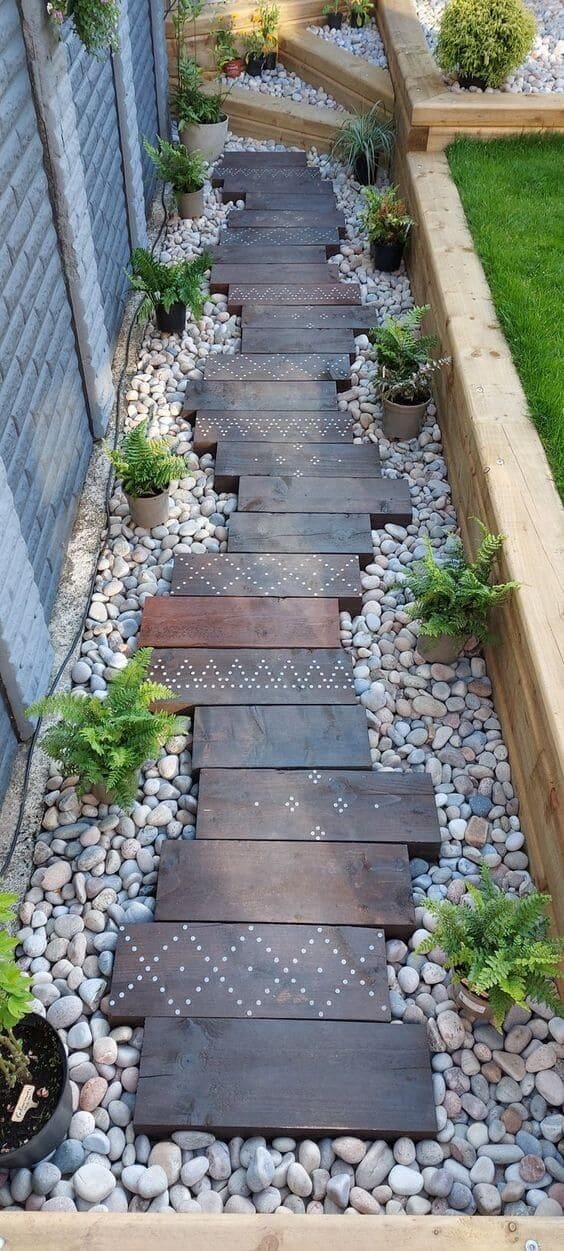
<point>485,39</point>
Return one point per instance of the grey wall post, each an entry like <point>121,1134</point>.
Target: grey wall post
<point>161,64</point>
<point>129,133</point>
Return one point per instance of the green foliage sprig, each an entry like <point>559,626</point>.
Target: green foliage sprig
<point>253,44</point>
<point>332,9</point>
<point>367,135</point>
<point>224,46</point>
<point>485,38</point>
<point>168,284</point>
<point>500,946</point>
<point>405,363</point>
<point>146,466</point>
<point>186,171</point>
<point>455,597</point>
<point>95,22</point>
<point>385,216</point>
<point>15,998</point>
<point>267,18</point>
<point>358,11</point>
<point>107,740</point>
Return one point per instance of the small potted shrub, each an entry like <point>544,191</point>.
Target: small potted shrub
<point>35,1094</point>
<point>387,224</point>
<point>333,15</point>
<point>226,54</point>
<point>186,171</point>
<point>201,116</point>
<point>499,950</point>
<point>361,141</point>
<point>268,19</point>
<point>105,741</point>
<point>358,12</point>
<point>146,468</point>
<point>482,41</point>
<point>453,598</point>
<point>254,53</point>
<point>405,367</point>
<point>169,289</point>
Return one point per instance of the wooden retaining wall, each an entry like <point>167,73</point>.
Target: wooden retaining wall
<point>286,121</point>
<point>350,79</point>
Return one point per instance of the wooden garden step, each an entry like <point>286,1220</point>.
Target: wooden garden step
<point>303,367</point>
<point>286,883</point>
<point>249,219</point>
<point>276,201</point>
<point>222,574</point>
<point>282,236</point>
<point>169,621</point>
<point>274,426</point>
<point>299,340</point>
<point>320,806</point>
<point>192,969</point>
<point>280,738</point>
<point>384,499</point>
<point>204,677</point>
<point>284,293</point>
<point>269,254</point>
<point>278,176</point>
<point>356,317</point>
<point>328,460</point>
<point>334,533</point>
<point>248,160</point>
<point>309,1079</point>
<point>261,396</point>
<point>230,274</point>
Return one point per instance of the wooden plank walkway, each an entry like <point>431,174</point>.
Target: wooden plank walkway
<point>268,944</point>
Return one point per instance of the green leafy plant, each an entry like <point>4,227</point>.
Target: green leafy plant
<point>225,48</point>
<point>267,18</point>
<point>332,9</point>
<point>358,11</point>
<point>367,136</point>
<point>168,284</point>
<point>405,363</point>
<point>106,741</point>
<point>485,38</point>
<point>95,22</point>
<point>454,597</point>
<point>499,946</point>
<point>15,999</point>
<point>186,171</point>
<point>146,466</point>
<point>385,217</point>
<point>253,45</point>
<point>191,105</point>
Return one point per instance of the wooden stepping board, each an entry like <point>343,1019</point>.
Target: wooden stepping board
<point>334,533</point>
<point>268,253</point>
<point>282,236</point>
<point>251,219</point>
<point>280,738</point>
<point>286,883</point>
<point>278,177</point>
<point>301,199</point>
<point>356,317</point>
<point>310,1078</point>
<point>283,293</point>
<point>225,677</point>
<point>384,499</point>
<point>301,367</point>
<point>296,340</point>
<point>230,273</point>
<point>329,460</point>
<point>276,427</point>
<point>248,160</point>
<point>264,971</point>
<point>314,805</point>
<point>202,622</point>
<point>262,396</point>
<point>222,574</point>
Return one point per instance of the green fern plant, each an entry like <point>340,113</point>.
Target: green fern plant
<point>146,466</point>
<point>168,284</point>
<point>455,597</point>
<point>186,171</point>
<point>15,999</point>
<point>499,946</point>
<point>106,741</point>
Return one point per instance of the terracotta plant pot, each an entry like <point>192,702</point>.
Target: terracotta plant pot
<point>387,256</point>
<point>206,137</point>
<point>234,68</point>
<point>190,203</point>
<point>254,66</point>
<point>475,1007</point>
<point>402,421</point>
<point>173,322</point>
<point>148,511</point>
<point>41,1129</point>
<point>443,650</point>
<point>335,21</point>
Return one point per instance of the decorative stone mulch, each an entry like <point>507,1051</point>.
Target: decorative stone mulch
<point>285,86</point>
<point>365,41</point>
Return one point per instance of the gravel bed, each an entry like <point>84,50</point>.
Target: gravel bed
<point>366,42</point>
<point>498,1094</point>
<point>542,72</point>
<point>283,85</point>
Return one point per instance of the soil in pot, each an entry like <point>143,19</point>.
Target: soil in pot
<point>173,322</point>
<point>190,203</point>
<point>387,256</point>
<point>43,1107</point>
<point>364,173</point>
<point>443,650</point>
<point>335,21</point>
<point>148,511</point>
<point>471,80</point>
<point>209,138</point>
<point>402,421</point>
<point>254,66</point>
<point>234,69</point>
<point>475,1007</point>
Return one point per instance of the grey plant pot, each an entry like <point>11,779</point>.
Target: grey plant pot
<point>190,203</point>
<point>402,421</point>
<point>209,138</point>
<point>149,511</point>
<point>475,1007</point>
<point>443,650</point>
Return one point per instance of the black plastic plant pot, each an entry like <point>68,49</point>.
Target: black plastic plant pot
<point>358,21</point>
<point>387,256</point>
<point>335,21</point>
<point>254,66</point>
<point>471,80</point>
<point>35,1116</point>
<point>364,173</point>
<point>270,61</point>
<point>173,322</point>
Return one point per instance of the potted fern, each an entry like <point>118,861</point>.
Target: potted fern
<point>361,141</point>
<point>405,367</point>
<point>387,224</point>
<point>169,289</point>
<point>454,598</point>
<point>186,171</point>
<point>105,741</point>
<point>333,15</point>
<point>499,950</point>
<point>35,1095</point>
<point>146,468</point>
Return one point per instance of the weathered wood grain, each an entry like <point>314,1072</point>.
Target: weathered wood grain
<point>280,738</point>
<point>170,621</point>
<point>261,397</point>
<point>329,460</point>
<point>335,533</point>
<point>321,426</point>
<point>228,677</point>
<point>384,499</point>
<point>225,574</point>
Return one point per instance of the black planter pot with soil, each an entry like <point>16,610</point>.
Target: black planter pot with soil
<point>173,322</point>
<point>35,1116</point>
<point>335,21</point>
<point>270,61</point>
<point>254,66</point>
<point>387,256</point>
<point>363,173</point>
<point>471,80</point>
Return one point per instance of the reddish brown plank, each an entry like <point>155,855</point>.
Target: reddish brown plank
<point>276,427</point>
<point>195,969</point>
<point>299,340</point>
<point>384,499</point>
<point>280,738</point>
<point>228,677</point>
<point>283,293</point>
<point>335,533</point>
<point>357,317</point>
<point>315,805</point>
<point>226,274</point>
<point>329,460</point>
<point>169,621</point>
<point>261,397</point>
<point>222,574</point>
<point>301,367</point>
<point>286,883</point>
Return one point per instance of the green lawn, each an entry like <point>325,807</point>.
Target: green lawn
<point>513,195</point>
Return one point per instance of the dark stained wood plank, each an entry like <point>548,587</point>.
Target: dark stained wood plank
<point>238,427</point>
<point>304,367</point>
<point>320,806</point>
<point>249,219</point>
<point>284,293</point>
<point>286,883</point>
<point>169,621</point>
<point>306,1078</point>
<point>278,176</point>
<point>282,236</point>
<point>261,396</point>
<point>222,574</point>
<point>329,460</point>
<point>384,499</point>
<point>204,677</point>
<point>280,738</point>
<point>264,971</point>
<point>299,340</point>
<point>269,254</point>
<point>357,317</point>
<point>231,274</point>
<point>302,200</point>
<point>336,533</point>
<point>248,160</point>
